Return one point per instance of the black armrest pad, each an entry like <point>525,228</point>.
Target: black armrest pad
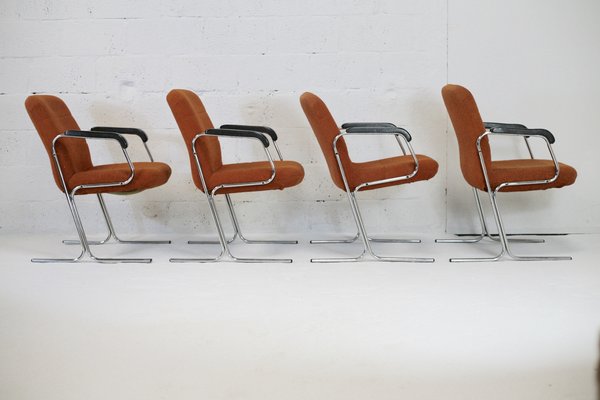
<point>349,125</point>
<point>263,129</point>
<point>98,135</point>
<point>123,131</point>
<point>492,125</point>
<point>239,133</point>
<point>372,129</point>
<point>527,132</point>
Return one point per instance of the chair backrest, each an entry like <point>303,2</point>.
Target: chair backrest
<point>468,126</point>
<point>192,119</point>
<point>326,129</point>
<point>51,117</point>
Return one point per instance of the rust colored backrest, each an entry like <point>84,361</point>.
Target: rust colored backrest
<point>192,119</point>
<point>468,126</point>
<point>51,117</point>
<point>325,129</point>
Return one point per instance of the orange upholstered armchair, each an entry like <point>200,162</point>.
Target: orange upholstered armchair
<point>75,174</point>
<point>213,177</point>
<point>484,174</point>
<point>353,177</point>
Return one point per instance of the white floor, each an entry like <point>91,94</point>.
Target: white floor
<point>299,331</point>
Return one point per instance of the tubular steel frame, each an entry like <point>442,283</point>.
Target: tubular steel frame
<point>86,254</point>
<point>225,254</point>
<point>502,236</point>
<point>368,254</point>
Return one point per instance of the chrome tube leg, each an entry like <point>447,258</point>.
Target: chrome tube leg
<point>504,239</point>
<point>225,254</point>
<point>484,230</point>
<point>86,253</point>
<point>361,227</point>
<point>476,238</point>
<point>484,233</point>
<point>362,233</point>
<point>358,234</point>
<point>238,231</point>
<point>112,235</point>
<point>491,236</point>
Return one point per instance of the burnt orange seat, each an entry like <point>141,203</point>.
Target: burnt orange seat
<point>387,168</point>
<point>353,177</point>
<point>213,177</point>
<point>493,176</point>
<point>75,174</point>
<point>288,174</point>
<point>147,175</point>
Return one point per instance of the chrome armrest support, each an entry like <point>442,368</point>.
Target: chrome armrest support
<point>231,185</point>
<point>399,135</point>
<point>522,134</point>
<point>97,136</point>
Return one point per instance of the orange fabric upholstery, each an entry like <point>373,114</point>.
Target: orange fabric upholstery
<point>389,168</point>
<point>326,129</point>
<point>147,175</point>
<point>529,170</point>
<point>51,117</point>
<point>192,119</point>
<point>468,126</point>
<point>288,174</point>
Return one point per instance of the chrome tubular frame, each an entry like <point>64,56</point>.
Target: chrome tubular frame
<point>86,253</point>
<point>225,254</point>
<point>504,241</point>
<point>112,237</point>
<point>368,254</point>
<point>485,233</point>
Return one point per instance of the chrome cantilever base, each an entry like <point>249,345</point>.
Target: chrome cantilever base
<point>92,259</point>
<point>366,256</point>
<point>479,237</point>
<point>237,231</point>
<point>230,258</point>
<point>86,253</point>
<point>112,235</point>
<point>371,239</point>
<point>505,255</point>
<point>502,237</point>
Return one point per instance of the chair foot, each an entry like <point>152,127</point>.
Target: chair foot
<point>510,257</point>
<point>92,260</point>
<point>247,241</point>
<point>495,238</point>
<point>373,258</point>
<point>231,259</point>
<point>371,239</point>
<point>118,241</point>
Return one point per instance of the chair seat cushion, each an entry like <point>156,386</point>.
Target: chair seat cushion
<point>530,170</point>
<point>287,174</point>
<point>389,168</point>
<point>147,175</point>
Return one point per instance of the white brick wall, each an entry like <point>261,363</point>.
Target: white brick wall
<point>114,61</point>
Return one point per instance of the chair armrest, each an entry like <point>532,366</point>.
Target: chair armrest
<point>526,132</point>
<point>239,133</point>
<point>383,130</point>
<point>122,131</point>
<point>98,135</point>
<point>348,125</point>
<point>263,129</point>
<point>492,125</point>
